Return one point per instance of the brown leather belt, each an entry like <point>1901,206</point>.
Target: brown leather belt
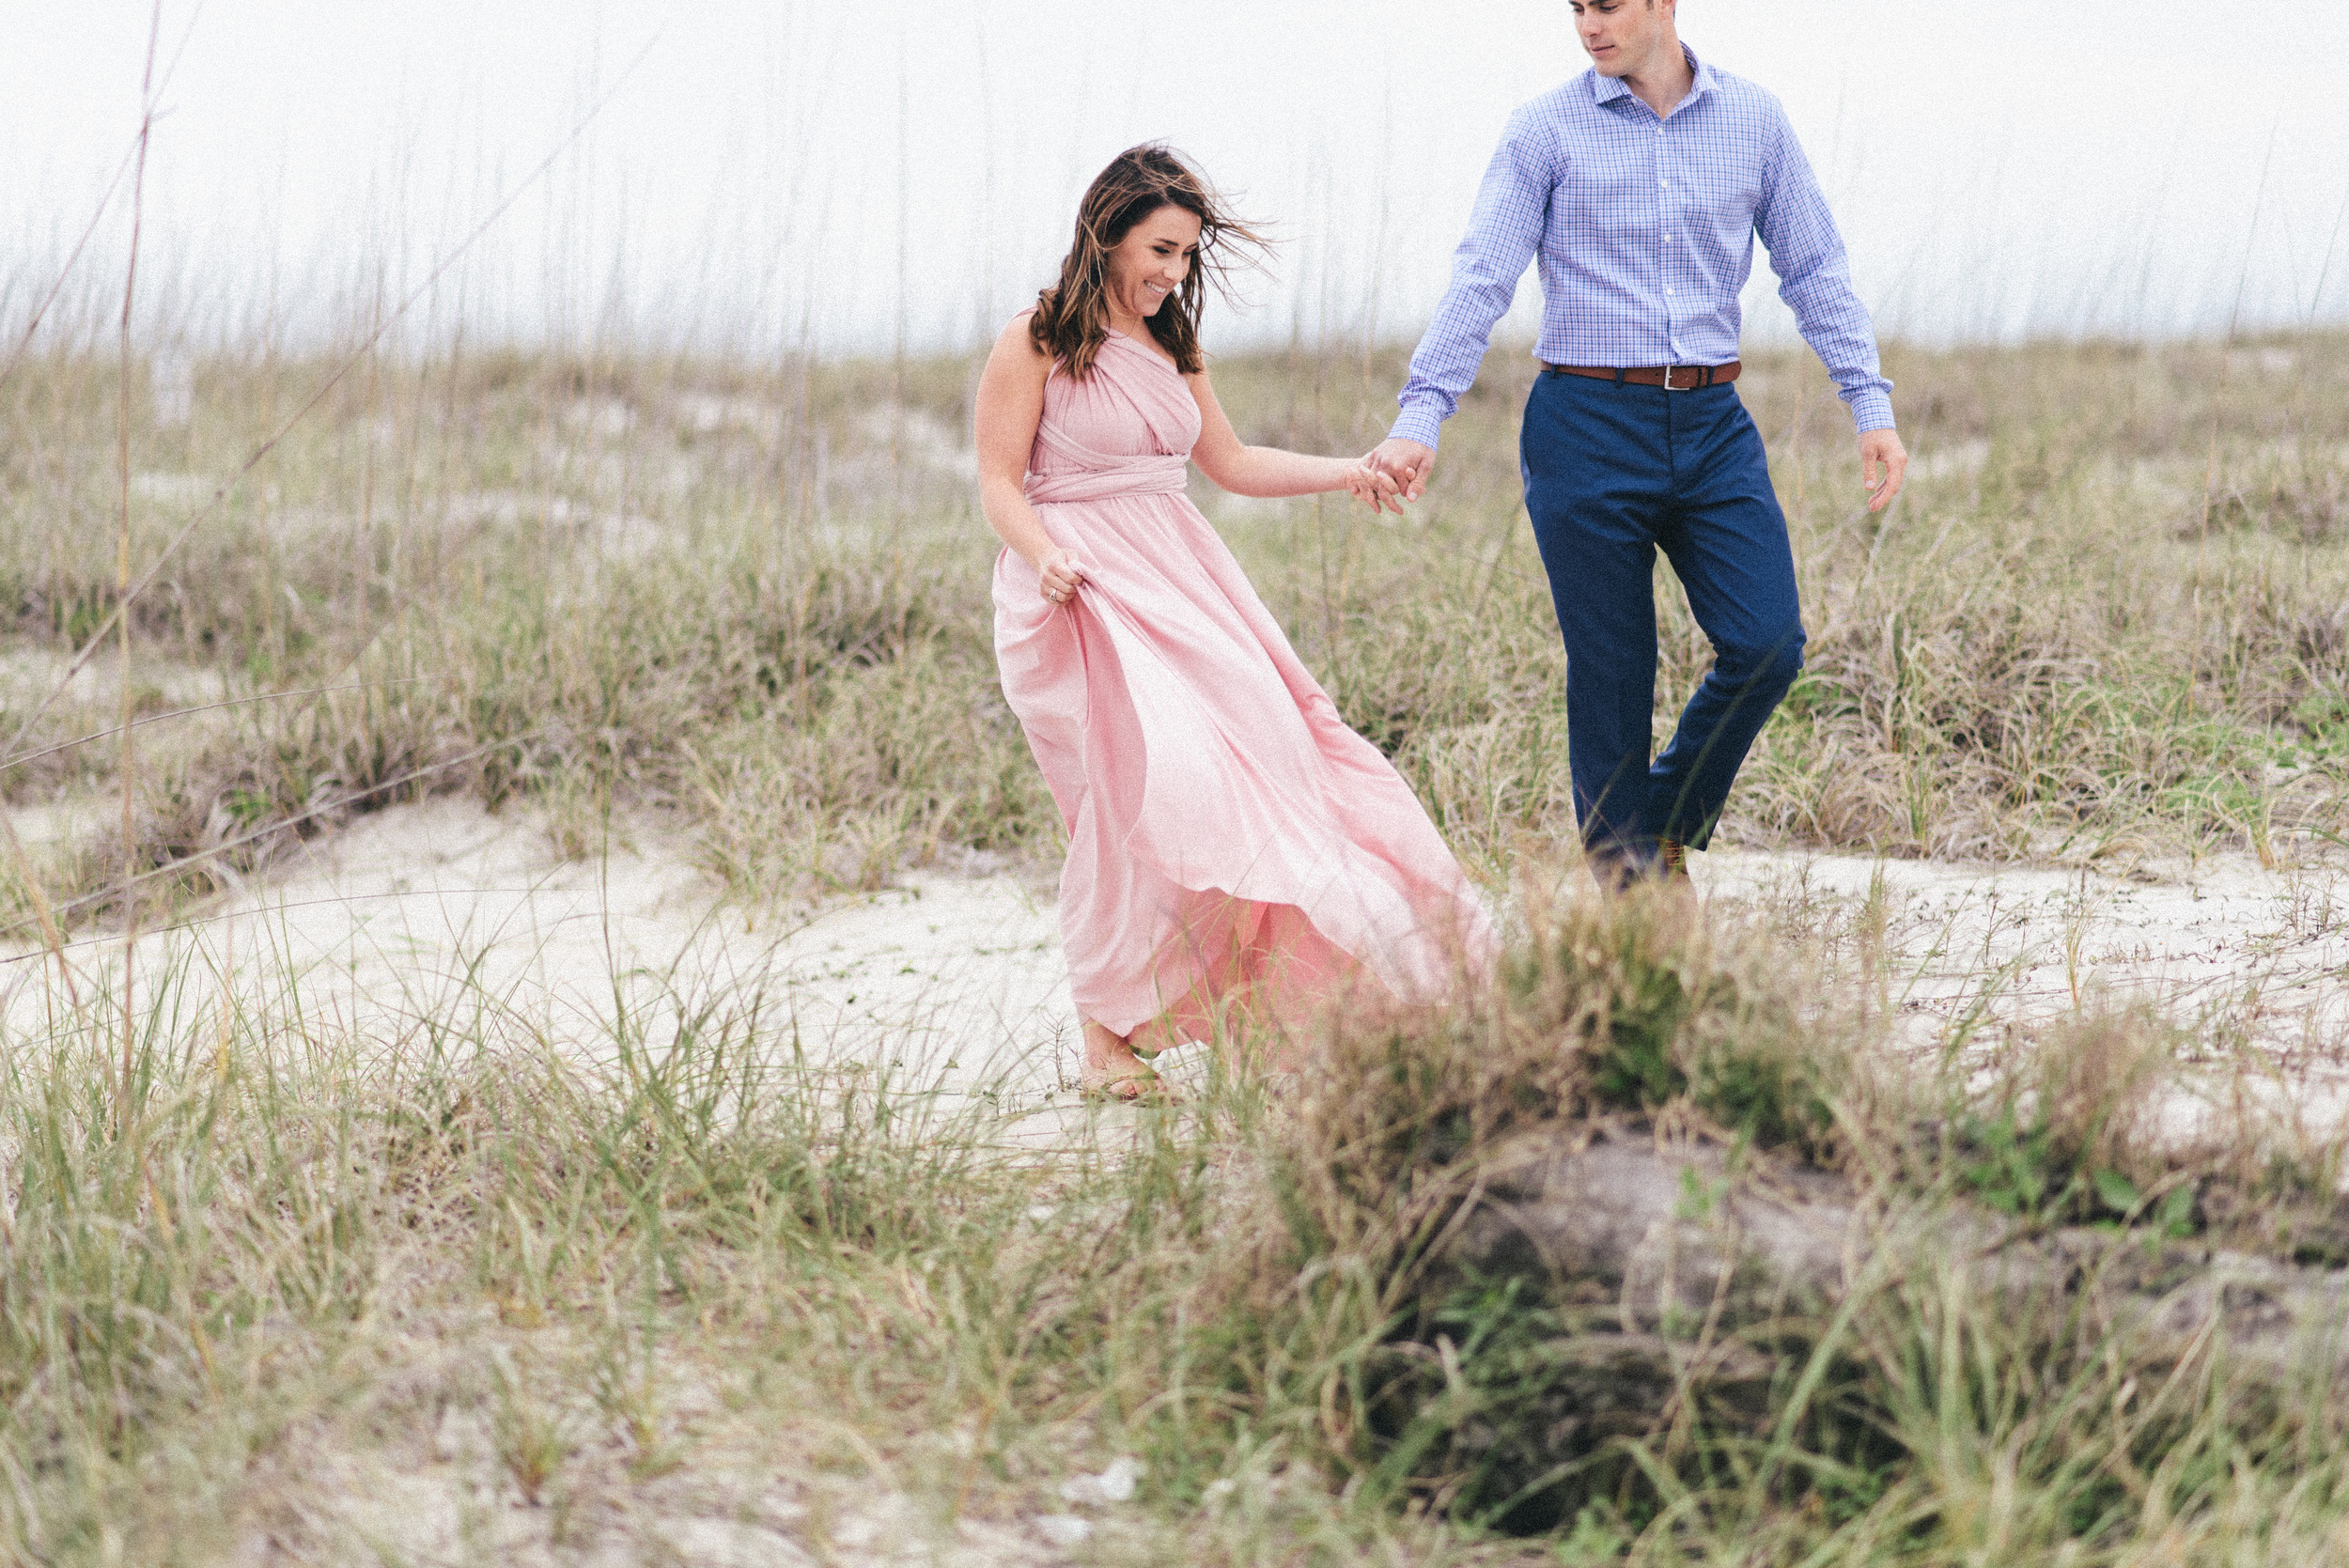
<point>1671,378</point>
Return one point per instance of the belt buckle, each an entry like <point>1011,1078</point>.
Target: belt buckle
<point>1668,381</point>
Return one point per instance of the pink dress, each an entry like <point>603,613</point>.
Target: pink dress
<point>1228,834</point>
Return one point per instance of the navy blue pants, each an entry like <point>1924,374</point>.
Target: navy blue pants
<point>1612,474</point>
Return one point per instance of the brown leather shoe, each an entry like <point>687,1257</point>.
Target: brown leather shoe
<point>1672,860</point>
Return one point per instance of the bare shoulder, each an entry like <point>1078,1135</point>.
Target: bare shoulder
<point>1015,360</point>
<point>1215,426</point>
<point>1015,342</point>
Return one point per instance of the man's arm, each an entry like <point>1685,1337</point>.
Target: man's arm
<point>1511,209</point>
<point>1814,279</point>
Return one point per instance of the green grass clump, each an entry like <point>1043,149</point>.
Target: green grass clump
<point>1775,1426</point>
<point>1633,1018</point>
<point>1631,1011</point>
<point>188,1299</point>
<point>2068,1134</point>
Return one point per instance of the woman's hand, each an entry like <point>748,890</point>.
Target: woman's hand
<point>1373,487</point>
<point>1059,576</point>
<point>1406,461</point>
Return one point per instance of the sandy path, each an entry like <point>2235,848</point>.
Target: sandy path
<point>2252,961</point>
<point>433,909</point>
<point>2199,939</point>
<point>442,910</point>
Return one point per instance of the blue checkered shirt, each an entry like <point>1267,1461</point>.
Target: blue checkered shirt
<point>1645,232</point>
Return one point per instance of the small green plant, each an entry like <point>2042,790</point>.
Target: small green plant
<point>2068,1137</point>
<point>530,1441</point>
<point>1591,1542</point>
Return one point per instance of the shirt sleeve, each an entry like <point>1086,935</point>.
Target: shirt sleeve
<point>1511,209</point>
<point>1814,279</point>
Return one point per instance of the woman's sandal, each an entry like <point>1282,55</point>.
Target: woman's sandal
<point>1102,1082</point>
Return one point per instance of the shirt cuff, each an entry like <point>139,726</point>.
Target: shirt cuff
<point>1872,410</point>
<point>1422,425</point>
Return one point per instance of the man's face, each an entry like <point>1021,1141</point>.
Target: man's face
<point>1620,35</point>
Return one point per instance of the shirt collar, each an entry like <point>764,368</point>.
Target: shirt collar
<point>1606,90</point>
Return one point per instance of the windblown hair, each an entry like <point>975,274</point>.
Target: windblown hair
<point>1072,316</point>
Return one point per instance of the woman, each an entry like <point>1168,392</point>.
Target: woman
<point>1231,843</point>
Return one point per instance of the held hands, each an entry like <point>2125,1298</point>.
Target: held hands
<point>1059,576</point>
<point>1882,447</point>
<point>1405,464</point>
<point>1375,489</point>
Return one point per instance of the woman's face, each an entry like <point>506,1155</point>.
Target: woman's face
<point>1153,259</point>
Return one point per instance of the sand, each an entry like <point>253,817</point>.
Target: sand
<point>957,980</point>
<point>443,912</point>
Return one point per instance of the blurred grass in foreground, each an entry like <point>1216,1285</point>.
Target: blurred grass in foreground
<point>667,1287</point>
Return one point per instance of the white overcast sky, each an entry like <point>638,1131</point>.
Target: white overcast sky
<point>2123,166</point>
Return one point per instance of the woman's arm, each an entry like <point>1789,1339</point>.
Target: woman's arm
<point>1268,470</point>
<point>1011,405</point>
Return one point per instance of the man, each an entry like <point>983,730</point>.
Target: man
<point>1641,185</point>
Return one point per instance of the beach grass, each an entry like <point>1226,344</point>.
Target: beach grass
<point>2104,623</point>
<point>470,1286</point>
<point>664,1288</point>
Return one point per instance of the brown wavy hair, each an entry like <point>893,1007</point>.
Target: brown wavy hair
<point>1072,317</point>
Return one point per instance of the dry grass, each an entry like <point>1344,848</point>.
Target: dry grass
<point>455,1295</point>
<point>466,1292</point>
<point>759,601</point>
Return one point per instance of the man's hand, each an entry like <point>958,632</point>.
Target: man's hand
<point>1405,461</point>
<point>1884,447</point>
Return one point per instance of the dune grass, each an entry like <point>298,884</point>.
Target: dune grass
<point>2104,623</point>
<point>479,1292</point>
